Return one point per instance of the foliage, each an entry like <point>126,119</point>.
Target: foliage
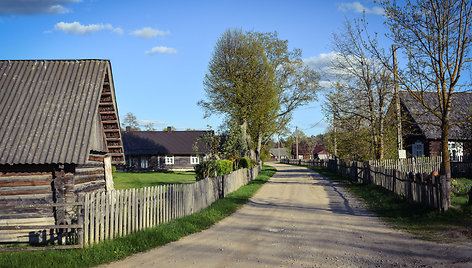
<point>244,162</point>
<point>255,81</point>
<point>120,248</point>
<point>206,169</point>
<point>224,167</point>
<point>461,186</point>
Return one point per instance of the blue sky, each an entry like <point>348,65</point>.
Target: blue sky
<point>159,50</point>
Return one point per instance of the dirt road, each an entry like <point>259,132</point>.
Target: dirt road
<point>299,219</point>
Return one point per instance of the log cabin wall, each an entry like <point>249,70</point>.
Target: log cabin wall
<point>90,177</point>
<point>26,185</point>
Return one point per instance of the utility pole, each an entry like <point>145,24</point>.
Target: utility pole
<point>401,152</point>
<point>334,128</point>
<point>296,142</point>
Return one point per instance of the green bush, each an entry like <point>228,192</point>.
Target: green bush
<point>206,169</point>
<point>113,169</point>
<point>244,162</point>
<point>224,167</point>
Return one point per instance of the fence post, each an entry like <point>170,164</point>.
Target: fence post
<point>444,194</point>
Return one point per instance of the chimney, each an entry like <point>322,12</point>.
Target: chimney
<point>128,129</point>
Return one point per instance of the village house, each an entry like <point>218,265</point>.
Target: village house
<point>164,150</point>
<point>423,138</point>
<point>306,151</point>
<point>59,136</point>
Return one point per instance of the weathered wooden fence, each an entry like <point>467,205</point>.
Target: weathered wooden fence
<point>413,180</point>
<point>415,165</point>
<point>306,162</point>
<point>117,213</point>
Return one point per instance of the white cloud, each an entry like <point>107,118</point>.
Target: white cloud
<point>161,50</point>
<point>33,7</point>
<point>148,32</point>
<point>118,30</point>
<point>322,65</point>
<point>77,28</point>
<point>360,8</point>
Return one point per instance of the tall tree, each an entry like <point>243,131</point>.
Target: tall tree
<point>435,37</point>
<point>256,81</point>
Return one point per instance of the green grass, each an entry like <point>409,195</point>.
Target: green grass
<point>120,248</point>
<point>450,226</point>
<point>128,180</point>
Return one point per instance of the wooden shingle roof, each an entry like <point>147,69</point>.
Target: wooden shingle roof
<point>163,142</point>
<point>49,110</point>
<point>460,110</point>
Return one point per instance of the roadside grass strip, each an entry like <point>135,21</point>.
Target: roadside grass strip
<point>119,248</point>
<point>454,225</point>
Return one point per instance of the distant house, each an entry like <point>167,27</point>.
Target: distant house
<point>163,150</point>
<point>320,152</point>
<point>309,152</point>
<point>421,138</point>
<point>59,135</point>
<point>278,153</point>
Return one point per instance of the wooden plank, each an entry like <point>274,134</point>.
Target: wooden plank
<point>97,217</point>
<point>86,218</point>
<point>92,217</point>
<point>135,209</point>
<point>107,214</point>
<point>40,248</point>
<point>41,227</point>
<point>102,215</point>
<point>151,207</point>
<point>118,214</point>
<point>129,205</point>
<point>142,207</point>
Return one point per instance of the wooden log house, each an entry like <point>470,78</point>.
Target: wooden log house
<point>59,135</point>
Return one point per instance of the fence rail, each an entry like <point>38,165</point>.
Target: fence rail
<point>120,212</point>
<point>412,179</point>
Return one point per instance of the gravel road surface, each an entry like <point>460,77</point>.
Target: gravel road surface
<point>300,219</point>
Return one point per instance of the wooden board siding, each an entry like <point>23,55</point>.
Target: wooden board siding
<point>25,184</point>
<point>90,176</point>
<point>181,162</point>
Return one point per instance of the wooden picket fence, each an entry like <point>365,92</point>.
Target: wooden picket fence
<point>415,165</point>
<point>112,214</point>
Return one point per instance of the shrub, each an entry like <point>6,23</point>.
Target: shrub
<point>244,162</point>
<point>224,167</point>
<point>113,169</point>
<point>206,169</point>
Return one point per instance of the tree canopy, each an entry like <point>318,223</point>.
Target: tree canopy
<point>256,81</point>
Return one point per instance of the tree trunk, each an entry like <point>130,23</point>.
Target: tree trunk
<point>247,140</point>
<point>446,164</point>
<point>258,147</point>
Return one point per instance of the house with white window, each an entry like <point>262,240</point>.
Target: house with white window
<point>421,131</point>
<point>163,150</point>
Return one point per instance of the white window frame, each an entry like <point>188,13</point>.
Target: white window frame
<point>194,160</point>
<point>169,160</point>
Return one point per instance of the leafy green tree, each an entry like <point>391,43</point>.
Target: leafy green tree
<point>254,80</point>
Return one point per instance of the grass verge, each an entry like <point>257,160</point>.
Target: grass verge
<point>128,180</point>
<point>122,247</point>
<point>451,226</point>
